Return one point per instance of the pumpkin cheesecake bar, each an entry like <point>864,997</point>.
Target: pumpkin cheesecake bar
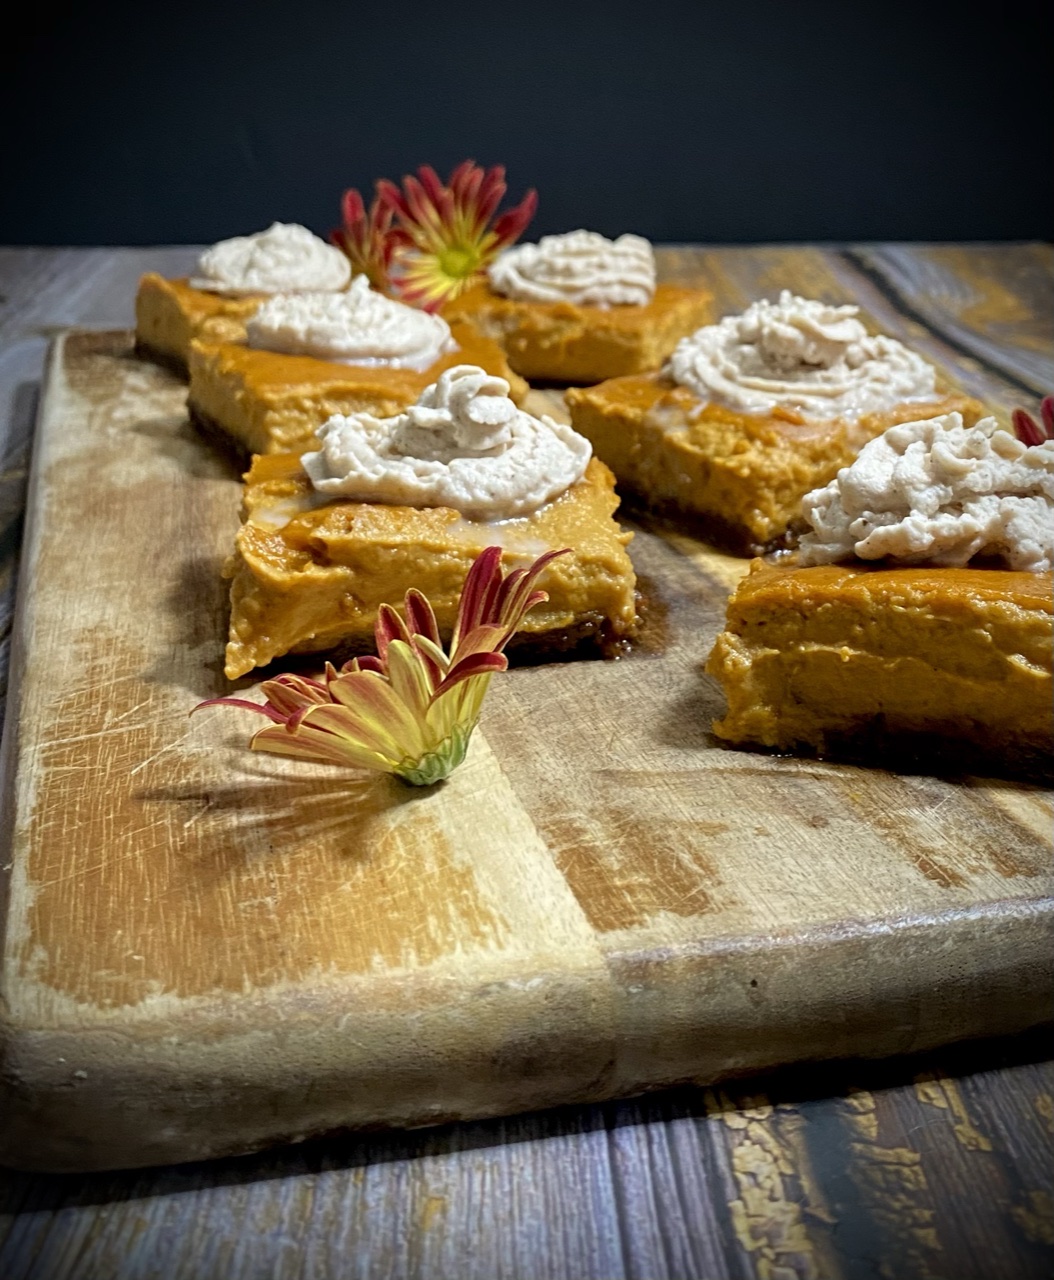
<point>861,660</point>
<point>263,402</point>
<point>736,478</point>
<point>564,342</point>
<point>922,616</point>
<point>751,413</point>
<point>389,504</point>
<point>234,278</point>
<point>581,308</point>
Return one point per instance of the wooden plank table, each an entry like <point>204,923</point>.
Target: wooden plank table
<point>933,1166</point>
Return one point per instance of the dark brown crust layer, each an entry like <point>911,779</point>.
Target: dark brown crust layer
<point>211,431</point>
<point>589,637</point>
<point>723,534</point>
<point>872,744</point>
<point>592,634</point>
<point>175,364</point>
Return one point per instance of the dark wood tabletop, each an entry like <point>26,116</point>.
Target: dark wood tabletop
<point>934,1166</point>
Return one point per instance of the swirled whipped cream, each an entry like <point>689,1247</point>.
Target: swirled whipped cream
<point>801,355</point>
<point>464,444</point>
<point>286,258</point>
<point>936,492</point>
<point>582,267</point>
<point>357,326</point>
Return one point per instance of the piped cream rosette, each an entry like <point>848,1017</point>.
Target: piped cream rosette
<point>358,326</point>
<point>801,355</point>
<point>464,445</point>
<point>286,258</point>
<point>936,492</point>
<point>581,267</point>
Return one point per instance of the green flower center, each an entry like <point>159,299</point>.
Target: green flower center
<point>458,262</point>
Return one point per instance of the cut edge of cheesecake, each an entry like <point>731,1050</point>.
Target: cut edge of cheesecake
<point>903,667</point>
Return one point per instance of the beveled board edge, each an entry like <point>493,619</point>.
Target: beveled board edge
<point>9,743</point>
<point>201,1086</point>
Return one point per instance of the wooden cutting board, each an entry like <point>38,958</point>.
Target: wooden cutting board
<point>207,950</point>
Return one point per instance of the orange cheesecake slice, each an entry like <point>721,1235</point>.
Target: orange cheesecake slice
<point>566,342</point>
<point>308,576</point>
<point>857,660</point>
<point>268,402</point>
<point>170,315</point>
<point>738,478</point>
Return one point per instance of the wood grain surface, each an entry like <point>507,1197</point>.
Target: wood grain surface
<point>831,1180</point>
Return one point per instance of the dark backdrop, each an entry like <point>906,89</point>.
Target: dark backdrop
<point>738,121</point>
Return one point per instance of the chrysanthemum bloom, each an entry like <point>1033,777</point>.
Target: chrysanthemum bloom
<point>411,709</point>
<point>444,235</point>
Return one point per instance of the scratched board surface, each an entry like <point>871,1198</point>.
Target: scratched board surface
<point>207,950</point>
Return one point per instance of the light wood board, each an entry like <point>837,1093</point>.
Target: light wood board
<point>206,950</point>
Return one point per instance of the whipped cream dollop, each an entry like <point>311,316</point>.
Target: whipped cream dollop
<point>802,355</point>
<point>936,492</point>
<point>582,267</point>
<point>358,326</point>
<point>464,444</point>
<point>283,259</point>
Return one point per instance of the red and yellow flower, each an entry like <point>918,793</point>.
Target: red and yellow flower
<point>411,709</point>
<point>426,242</point>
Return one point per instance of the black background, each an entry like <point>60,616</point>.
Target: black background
<point>806,120</point>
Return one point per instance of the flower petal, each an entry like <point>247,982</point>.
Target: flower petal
<point>244,703</point>
<point>343,724</point>
<point>432,651</point>
<point>366,239</point>
<point>376,706</point>
<point>352,208</point>
<point>482,578</point>
<point>369,663</point>
<point>389,627</point>
<point>409,678</point>
<point>517,588</point>
<point>1026,428</point>
<point>325,749</point>
<point>289,693</point>
<point>458,709</point>
<point>514,222</point>
<point>476,664</point>
<point>483,639</point>
<point>420,617</point>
